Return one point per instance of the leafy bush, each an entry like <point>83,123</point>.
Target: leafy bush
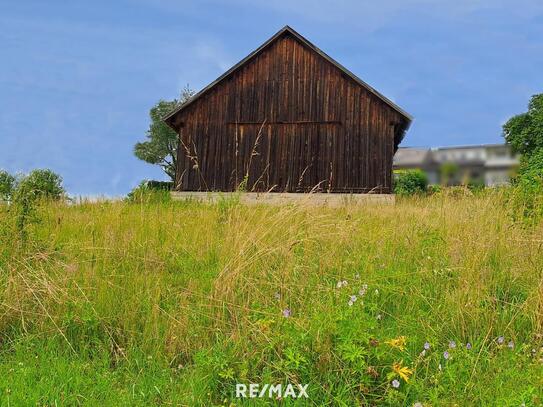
<point>410,182</point>
<point>524,132</point>
<point>434,189</point>
<point>476,185</point>
<point>530,175</point>
<point>7,183</point>
<point>40,184</point>
<point>160,185</point>
<point>29,190</point>
<point>150,191</point>
<point>527,197</point>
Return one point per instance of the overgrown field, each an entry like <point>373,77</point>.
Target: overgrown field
<point>170,303</point>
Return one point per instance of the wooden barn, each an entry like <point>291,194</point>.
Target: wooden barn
<point>287,118</point>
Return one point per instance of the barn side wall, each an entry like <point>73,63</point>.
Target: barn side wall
<point>288,121</point>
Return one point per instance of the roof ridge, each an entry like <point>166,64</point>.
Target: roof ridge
<point>305,41</point>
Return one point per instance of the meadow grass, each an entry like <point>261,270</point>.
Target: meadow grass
<point>172,303</point>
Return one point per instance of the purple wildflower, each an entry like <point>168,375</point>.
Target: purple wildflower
<point>511,345</point>
<point>446,355</point>
<point>395,383</point>
<point>353,298</point>
<point>468,346</point>
<point>427,345</point>
<point>452,344</point>
<point>500,340</point>
<point>286,312</point>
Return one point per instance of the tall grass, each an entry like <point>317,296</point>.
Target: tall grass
<point>173,303</point>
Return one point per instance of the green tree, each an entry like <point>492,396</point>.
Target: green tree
<point>524,132</point>
<point>7,183</point>
<point>29,190</point>
<point>40,184</point>
<point>160,148</point>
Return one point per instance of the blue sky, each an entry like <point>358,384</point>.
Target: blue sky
<point>77,78</point>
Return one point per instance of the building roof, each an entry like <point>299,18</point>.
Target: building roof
<point>286,29</point>
<point>406,157</point>
<point>471,146</point>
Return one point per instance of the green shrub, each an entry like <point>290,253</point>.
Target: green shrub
<point>410,182</point>
<point>150,192</point>
<point>476,185</point>
<point>7,183</point>
<point>40,184</point>
<point>159,185</point>
<point>530,174</point>
<point>434,189</point>
<point>527,197</point>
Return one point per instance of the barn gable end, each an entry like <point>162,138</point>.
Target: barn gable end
<point>287,118</point>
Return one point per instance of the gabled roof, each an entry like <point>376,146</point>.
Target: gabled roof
<point>286,29</point>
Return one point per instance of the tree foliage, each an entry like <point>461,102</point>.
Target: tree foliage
<point>160,148</point>
<point>40,184</point>
<point>524,132</point>
<point>531,171</point>
<point>7,183</point>
<point>29,190</point>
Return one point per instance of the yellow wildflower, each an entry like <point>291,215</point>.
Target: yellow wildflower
<point>403,371</point>
<point>399,342</point>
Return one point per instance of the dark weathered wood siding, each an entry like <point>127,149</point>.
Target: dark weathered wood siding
<point>288,120</point>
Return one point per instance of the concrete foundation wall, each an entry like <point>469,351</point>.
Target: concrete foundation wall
<point>275,198</point>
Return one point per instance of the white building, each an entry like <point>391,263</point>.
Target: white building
<point>488,164</point>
